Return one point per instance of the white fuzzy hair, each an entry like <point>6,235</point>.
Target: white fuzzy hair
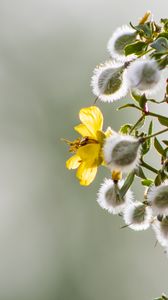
<point>151,196</point>
<point>99,92</point>
<point>119,32</point>
<point>102,200</point>
<point>128,216</point>
<point>161,236</point>
<point>137,82</point>
<point>108,148</point>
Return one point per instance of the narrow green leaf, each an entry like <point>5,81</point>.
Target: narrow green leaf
<point>165,152</point>
<point>140,173</point>
<point>150,130</point>
<point>135,48</point>
<point>143,101</point>
<point>163,121</point>
<point>165,142</point>
<point>135,96</point>
<point>158,179</point>
<point>129,180</point>
<point>140,123</point>
<point>158,146</point>
<point>127,106</point>
<point>146,146</point>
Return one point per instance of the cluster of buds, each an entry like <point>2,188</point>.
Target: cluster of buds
<point>138,59</point>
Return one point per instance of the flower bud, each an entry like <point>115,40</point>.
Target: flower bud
<point>158,198</point>
<point>120,39</point>
<point>121,152</point>
<point>109,197</point>
<point>109,82</point>
<point>137,216</point>
<point>144,76</point>
<point>161,230</point>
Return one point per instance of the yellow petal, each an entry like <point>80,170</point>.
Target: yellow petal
<point>82,129</point>
<point>73,162</point>
<point>92,118</point>
<point>86,174</point>
<point>90,153</point>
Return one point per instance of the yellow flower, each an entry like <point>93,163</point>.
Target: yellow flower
<point>88,149</point>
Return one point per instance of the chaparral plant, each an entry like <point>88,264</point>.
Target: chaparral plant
<point>137,65</point>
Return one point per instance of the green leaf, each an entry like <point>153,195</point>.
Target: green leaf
<point>165,155</point>
<point>158,147</point>
<point>157,55</point>
<point>163,121</point>
<point>150,129</point>
<point>140,173</point>
<point>163,34</point>
<point>143,101</point>
<point>140,123</point>
<point>129,180</point>
<point>163,62</point>
<point>135,48</point>
<point>135,96</point>
<point>161,298</point>
<point>126,106</point>
<point>147,182</point>
<point>161,44</point>
<point>144,30</point>
<point>125,129</point>
<point>158,179</point>
<point>165,142</point>
<point>147,144</point>
<point>165,22</point>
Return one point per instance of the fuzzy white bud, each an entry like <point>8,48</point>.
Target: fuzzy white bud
<point>109,82</point>
<point>121,37</point>
<point>161,230</point>
<point>121,152</point>
<point>137,216</point>
<point>144,76</point>
<point>109,198</point>
<point>158,197</point>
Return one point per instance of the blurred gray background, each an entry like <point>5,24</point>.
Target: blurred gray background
<point>56,243</point>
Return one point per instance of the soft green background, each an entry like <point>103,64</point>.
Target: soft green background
<point>55,241</point>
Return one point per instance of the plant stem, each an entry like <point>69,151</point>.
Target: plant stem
<point>152,135</point>
<point>137,123</point>
<point>146,166</point>
<point>155,115</point>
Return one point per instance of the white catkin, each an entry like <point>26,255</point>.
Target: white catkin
<point>109,81</point>
<point>161,232</point>
<point>121,37</point>
<point>142,220</point>
<point>144,76</point>
<point>106,197</point>
<point>158,197</point>
<point>121,152</point>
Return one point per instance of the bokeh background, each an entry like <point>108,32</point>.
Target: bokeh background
<point>56,243</point>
